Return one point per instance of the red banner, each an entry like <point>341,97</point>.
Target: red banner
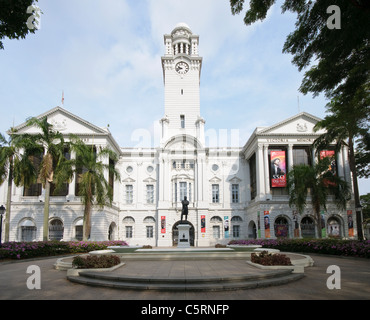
<point>333,166</point>
<point>163,224</point>
<point>203,224</point>
<point>278,169</point>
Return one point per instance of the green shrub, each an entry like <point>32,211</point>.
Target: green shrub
<point>95,262</point>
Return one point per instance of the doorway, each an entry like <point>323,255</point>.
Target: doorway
<point>175,233</point>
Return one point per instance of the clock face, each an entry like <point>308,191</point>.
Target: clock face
<point>182,67</point>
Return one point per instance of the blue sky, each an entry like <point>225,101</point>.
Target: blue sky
<point>106,57</point>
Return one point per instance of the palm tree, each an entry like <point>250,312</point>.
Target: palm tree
<point>54,167</point>
<point>92,184</point>
<point>15,165</point>
<point>348,121</point>
<point>318,182</point>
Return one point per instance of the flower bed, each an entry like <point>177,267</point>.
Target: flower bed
<point>24,250</point>
<point>351,248</point>
<point>268,259</point>
<point>95,262</point>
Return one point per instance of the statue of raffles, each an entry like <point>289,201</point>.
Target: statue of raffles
<point>185,210</point>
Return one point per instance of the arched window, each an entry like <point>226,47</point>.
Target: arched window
<point>216,223</point>
<point>149,220</point>
<point>235,223</point>
<point>334,229</point>
<point>129,227</point>
<point>79,229</point>
<point>56,230</point>
<point>27,230</point>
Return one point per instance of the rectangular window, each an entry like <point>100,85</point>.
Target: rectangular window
<point>128,231</point>
<point>301,155</point>
<point>129,194</point>
<point>79,175</point>
<point>216,232</point>
<point>175,192</point>
<point>182,119</point>
<point>235,193</point>
<point>189,192</point>
<point>215,193</point>
<point>183,190</point>
<point>236,231</point>
<point>149,231</point>
<point>150,194</point>
<point>35,189</point>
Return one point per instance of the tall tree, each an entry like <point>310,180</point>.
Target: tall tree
<point>346,122</point>
<point>15,20</point>
<point>15,165</point>
<point>342,55</point>
<point>54,163</point>
<point>318,182</point>
<point>91,166</point>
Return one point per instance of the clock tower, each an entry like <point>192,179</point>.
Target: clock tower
<point>181,72</point>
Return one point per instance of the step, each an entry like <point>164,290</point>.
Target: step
<point>241,282</point>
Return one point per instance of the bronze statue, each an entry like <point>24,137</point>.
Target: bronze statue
<point>184,211</point>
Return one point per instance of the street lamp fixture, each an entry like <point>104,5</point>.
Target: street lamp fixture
<point>2,211</point>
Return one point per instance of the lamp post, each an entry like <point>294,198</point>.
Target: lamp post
<point>2,211</point>
<point>359,213</point>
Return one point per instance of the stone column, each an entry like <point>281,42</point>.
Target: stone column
<point>267,169</point>
<point>290,156</point>
<point>260,172</point>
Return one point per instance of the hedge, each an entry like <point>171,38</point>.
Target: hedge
<point>24,250</point>
<point>352,248</point>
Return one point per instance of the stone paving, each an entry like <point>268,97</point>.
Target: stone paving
<point>355,283</point>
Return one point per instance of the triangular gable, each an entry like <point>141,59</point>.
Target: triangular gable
<point>302,123</point>
<point>149,180</point>
<point>64,122</point>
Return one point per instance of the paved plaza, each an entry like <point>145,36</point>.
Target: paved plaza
<point>355,282</point>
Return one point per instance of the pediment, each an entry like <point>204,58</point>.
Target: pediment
<point>128,180</point>
<point>215,180</point>
<point>302,123</point>
<point>64,122</point>
<point>149,180</point>
<point>234,180</point>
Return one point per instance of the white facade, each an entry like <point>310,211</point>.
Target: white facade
<point>229,189</point>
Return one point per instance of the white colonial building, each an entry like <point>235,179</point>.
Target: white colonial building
<point>234,193</point>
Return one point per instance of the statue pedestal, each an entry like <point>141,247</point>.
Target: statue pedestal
<point>184,236</point>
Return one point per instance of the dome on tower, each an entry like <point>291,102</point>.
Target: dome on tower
<point>182,27</point>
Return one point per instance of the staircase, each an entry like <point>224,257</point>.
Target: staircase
<point>212,283</point>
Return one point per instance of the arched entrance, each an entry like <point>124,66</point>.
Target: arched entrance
<point>175,233</point>
<point>252,230</point>
<point>281,227</point>
<point>308,227</point>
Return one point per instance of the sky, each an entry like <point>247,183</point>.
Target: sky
<point>106,58</point>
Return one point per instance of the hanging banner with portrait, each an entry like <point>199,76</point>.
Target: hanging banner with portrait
<point>333,164</point>
<point>350,223</point>
<point>258,225</point>
<point>278,169</point>
<point>266,219</point>
<point>163,224</point>
<point>226,227</point>
<point>203,224</point>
